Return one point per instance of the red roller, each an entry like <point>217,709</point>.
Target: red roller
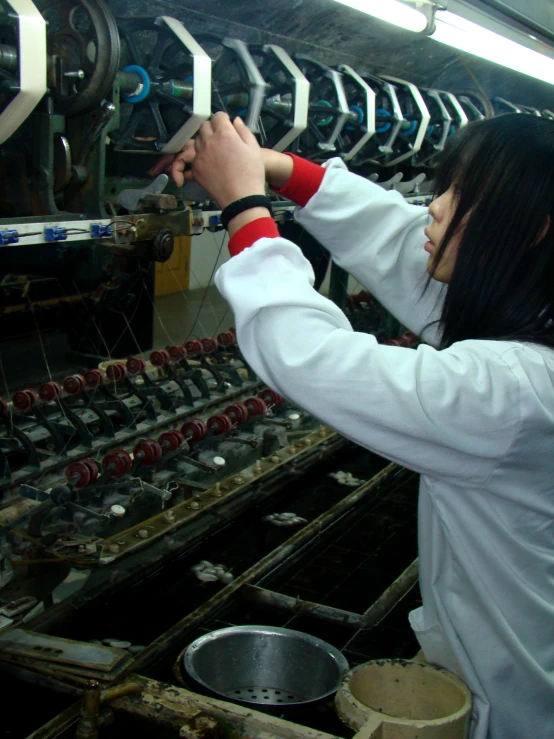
<point>171,440</point>
<point>159,357</point>
<point>237,412</point>
<point>3,407</point>
<point>194,430</point>
<point>117,463</point>
<point>94,378</point>
<point>177,352</point>
<point>93,467</point>
<point>194,347</point>
<point>256,406</point>
<point>392,342</point>
<point>24,400</point>
<point>74,384</point>
<point>135,365</point>
<point>227,338</point>
<point>210,345</point>
<point>270,397</point>
<point>219,424</point>
<point>116,372</point>
<point>85,471</point>
<point>148,451</point>
<point>49,391</point>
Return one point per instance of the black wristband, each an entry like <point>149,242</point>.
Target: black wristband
<point>239,206</point>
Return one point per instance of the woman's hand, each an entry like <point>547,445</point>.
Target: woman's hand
<point>277,166</point>
<point>227,160</point>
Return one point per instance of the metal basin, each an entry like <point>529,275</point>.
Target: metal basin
<point>266,666</point>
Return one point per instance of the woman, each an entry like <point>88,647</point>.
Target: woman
<point>472,410</point>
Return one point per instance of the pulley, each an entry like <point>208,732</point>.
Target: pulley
<point>83,47</point>
<point>328,110</point>
<point>166,85</point>
<point>284,112</point>
<point>238,86</point>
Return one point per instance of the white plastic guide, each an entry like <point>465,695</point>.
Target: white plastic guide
<point>32,68</point>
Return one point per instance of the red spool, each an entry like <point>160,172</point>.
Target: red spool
<point>171,440</point>
<point>159,357</point>
<point>94,378</point>
<point>135,365</point>
<point>74,384</point>
<point>116,372</point>
<point>219,424</point>
<point>149,450</point>
<point>270,397</point>
<point>24,400</point>
<point>256,406</point>
<point>194,430</point>
<point>119,460</point>
<point>93,467</point>
<point>177,352</point>
<point>227,338</point>
<point>86,472</point>
<point>49,391</point>
<point>194,347</point>
<point>210,345</point>
<point>238,412</point>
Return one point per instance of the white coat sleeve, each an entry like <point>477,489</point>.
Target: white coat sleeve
<point>451,414</point>
<point>378,238</point>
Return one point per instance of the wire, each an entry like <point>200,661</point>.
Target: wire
<point>127,321</point>
<point>207,287</point>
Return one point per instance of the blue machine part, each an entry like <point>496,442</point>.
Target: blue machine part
<point>214,221</point>
<point>385,126</point>
<point>360,113</point>
<point>411,130</point>
<point>55,233</point>
<point>9,236</point>
<point>100,230</point>
<point>145,79</point>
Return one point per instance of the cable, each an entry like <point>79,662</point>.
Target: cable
<point>207,287</point>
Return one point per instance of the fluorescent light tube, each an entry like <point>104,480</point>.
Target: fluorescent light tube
<point>467,36</point>
<point>391,11</point>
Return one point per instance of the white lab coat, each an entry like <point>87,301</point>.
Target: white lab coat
<point>475,420</point>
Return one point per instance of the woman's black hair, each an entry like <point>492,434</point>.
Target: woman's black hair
<point>502,285</point>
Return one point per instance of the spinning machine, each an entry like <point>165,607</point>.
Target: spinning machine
<point>141,452</point>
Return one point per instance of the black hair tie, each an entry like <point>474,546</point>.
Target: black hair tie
<point>239,206</point>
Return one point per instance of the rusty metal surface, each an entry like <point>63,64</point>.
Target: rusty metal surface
<point>175,634</point>
<point>141,563</point>
<point>370,618</point>
<point>165,704</point>
<point>20,642</point>
<point>182,513</point>
<point>335,34</point>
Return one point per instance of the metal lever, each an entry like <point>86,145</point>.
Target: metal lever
<point>130,199</point>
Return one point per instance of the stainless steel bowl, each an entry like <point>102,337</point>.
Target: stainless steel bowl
<point>265,666</point>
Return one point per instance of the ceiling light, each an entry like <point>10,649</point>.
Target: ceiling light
<point>472,38</point>
<point>392,11</point>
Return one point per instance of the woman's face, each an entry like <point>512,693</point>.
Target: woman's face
<point>441,211</point>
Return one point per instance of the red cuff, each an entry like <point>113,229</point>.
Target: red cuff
<point>259,229</point>
<point>304,181</point>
